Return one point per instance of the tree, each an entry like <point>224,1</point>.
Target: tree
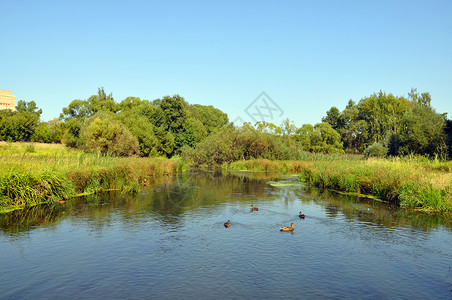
<point>327,139</point>
<point>49,132</point>
<point>88,108</point>
<point>448,132</point>
<point>333,117</point>
<point>268,127</point>
<point>23,106</point>
<point>102,134</point>
<point>423,132</point>
<point>173,116</point>
<point>212,118</point>
<point>21,124</point>
<point>134,115</point>
<point>320,138</point>
<point>382,112</point>
<point>423,99</point>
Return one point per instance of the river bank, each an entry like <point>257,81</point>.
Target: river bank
<point>32,174</point>
<point>414,182</point>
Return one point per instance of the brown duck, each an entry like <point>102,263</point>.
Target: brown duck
<point>285,228</point>
<point>227,224</point>
<point>254,208</point>
<point>301,215</point>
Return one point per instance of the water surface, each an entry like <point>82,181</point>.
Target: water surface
<point>169,242</point>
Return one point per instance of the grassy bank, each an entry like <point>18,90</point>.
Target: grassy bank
<point>31,174</point>
<point>409,182</point>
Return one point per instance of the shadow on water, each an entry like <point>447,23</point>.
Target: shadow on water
<point>169,201</point>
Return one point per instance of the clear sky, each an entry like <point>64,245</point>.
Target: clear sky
<point>305,55</point>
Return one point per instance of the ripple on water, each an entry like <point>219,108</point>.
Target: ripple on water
<point>148,248</point>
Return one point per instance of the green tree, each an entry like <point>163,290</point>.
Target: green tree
<point>212,118</point>
<point>175,126</point>
<point>383,112</point>
<point>103,134</point>
<point>376,150</point>
<point>21,124</point>
<point>88,108</point>
<point>320,138</point>
<point>23,106</point>
<point>448,132</point>
<point>423,132</point>
<point>333,117</point>
<point>423,99</point>
<point>133,115</point>
<point>49,132</point>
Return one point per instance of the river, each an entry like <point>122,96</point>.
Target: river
<point>169,242</point>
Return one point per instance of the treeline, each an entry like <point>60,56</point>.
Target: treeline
<point>379,125</point>
<point>131,127</point>
<point>386,124</point>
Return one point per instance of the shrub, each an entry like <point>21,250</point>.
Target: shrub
<point>376,150</point>
<point>104,135</point>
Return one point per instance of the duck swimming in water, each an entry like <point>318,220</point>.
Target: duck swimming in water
<point>254,208</point>
<point>301,215</point>
<point>285,228</point>
<point>227,224</point>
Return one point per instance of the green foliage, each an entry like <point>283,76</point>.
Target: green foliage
<point>49,132</point>
<point>17,126</point>
<point>23,106</point>
<point>383,112</point>
<point>423,99</point>
<point>88,108</point>
<point>410,183</point>
<point>102,134</point>
<point>321,138</point>
<point>212,118</point>
<point>334,118</point>
<point>376,150</point>
<point>243,143</point>
<point>27,189</point>
<point>423,132</point>
<point>32,174</point>
<point>134,115</point>
<point>448,132</point>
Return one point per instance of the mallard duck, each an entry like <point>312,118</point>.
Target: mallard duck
<point>227,224</point>
<point>285,228</point>
<point>254,208</point>
<point>301,215</point>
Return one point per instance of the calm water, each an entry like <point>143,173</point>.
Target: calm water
<point>169,242</point>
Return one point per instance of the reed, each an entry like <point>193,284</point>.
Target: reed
<point>51,173</point>
<point>411,182</point>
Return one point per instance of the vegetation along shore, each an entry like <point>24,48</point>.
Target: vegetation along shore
<point>393,148</point>
<point>414,182</point>
<point>32,174</point>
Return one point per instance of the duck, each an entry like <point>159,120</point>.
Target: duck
<point>301,215</point>
<point>254,208</point>
<point>227,224</point>
<point>285,228</point>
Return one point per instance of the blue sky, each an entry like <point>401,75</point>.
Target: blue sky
<point>305,55</point>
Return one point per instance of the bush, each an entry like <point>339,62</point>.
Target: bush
<point>104,135</point>
<point>376,150</point>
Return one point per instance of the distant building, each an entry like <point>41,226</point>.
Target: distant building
<point>7,101</point>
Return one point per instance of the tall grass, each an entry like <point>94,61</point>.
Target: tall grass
<point>51,173</point>
<point>412,182</point>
